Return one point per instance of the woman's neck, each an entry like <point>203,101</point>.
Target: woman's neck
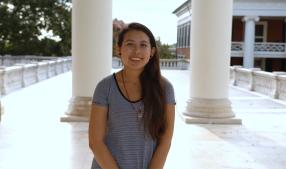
<point>131,76</point>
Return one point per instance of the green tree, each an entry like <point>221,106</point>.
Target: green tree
<point>116,32</point>
<point>164,50</point>
<point>21,23</point>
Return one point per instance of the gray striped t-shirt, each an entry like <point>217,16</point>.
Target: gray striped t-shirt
<point>125,137</point>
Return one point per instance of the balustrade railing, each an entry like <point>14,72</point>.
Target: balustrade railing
<point>237,46</point>
<point>270,47</point>
<point>24,74</point>
<point>21,75</point>
<point>261,48</point>
<point>271,84</point>
<point>8,60</point>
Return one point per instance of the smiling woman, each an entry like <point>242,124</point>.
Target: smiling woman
<point>132,117</point>
<point>135,50</point>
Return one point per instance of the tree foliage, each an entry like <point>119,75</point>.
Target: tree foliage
<point>164,50</point>
<point>22,23</point>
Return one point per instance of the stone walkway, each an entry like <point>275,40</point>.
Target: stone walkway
<point>32,136</point>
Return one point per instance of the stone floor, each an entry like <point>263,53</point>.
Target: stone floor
<point>32,136</point>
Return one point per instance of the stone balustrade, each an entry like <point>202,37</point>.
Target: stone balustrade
<point>29,74</point>
<point>11,79</point>
<point>42,71</point>
<point>21,75</point>
<point>267,83</point>
<point>116,63</point>
<point>181,64</point>
<point>281,87</point>
<point>9,60</point>
<point>266,47</point>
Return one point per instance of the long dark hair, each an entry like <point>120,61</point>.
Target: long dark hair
<point>152,86</point>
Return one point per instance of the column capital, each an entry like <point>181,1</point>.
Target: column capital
<point>250,18</point>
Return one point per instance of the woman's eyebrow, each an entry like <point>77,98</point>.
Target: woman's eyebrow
<point>128,40</point>
<point>144,41</point>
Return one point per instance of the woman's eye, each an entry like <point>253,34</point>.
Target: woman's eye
<point>129,44</point>
<point>144,45</point>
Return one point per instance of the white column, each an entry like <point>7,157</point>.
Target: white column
<point>185,35</point>
<point>285,29</point>
<point>91,53</point>
<point>211,42</point>
<point>249,40</point>
<point>182,35</point>
<point>189,32</point>
<point>178,36</point>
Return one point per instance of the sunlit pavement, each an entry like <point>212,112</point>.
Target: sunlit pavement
<point>32,136</point>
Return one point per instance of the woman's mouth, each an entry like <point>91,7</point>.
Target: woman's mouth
<point>135,59</point>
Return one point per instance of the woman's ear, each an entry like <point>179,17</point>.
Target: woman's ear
<point>153,51</point>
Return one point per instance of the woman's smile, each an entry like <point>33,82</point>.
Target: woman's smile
<point>135,59</point>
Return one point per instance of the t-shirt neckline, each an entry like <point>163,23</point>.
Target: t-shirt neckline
<point>116,82</point>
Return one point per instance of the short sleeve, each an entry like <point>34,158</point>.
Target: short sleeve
<point>101,92</point>
<point>170,94</point>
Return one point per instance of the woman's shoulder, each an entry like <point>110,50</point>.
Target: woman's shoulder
<point>166,82</point>
<point>102,90</point>
<point>169,91</point>
<point>106,80</point>
<point>105,83</point>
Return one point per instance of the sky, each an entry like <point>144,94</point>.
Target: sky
<point>155,14</point>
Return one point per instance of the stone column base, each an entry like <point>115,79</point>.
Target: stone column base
<point>209,111</point>
<point>78,110</point>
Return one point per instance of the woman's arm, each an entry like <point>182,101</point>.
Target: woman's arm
<point>161,152</point>
<point>97,131</point>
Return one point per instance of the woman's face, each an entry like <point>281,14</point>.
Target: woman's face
<point>136,50</point>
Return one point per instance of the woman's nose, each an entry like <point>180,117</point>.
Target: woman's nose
<point>137,49</point>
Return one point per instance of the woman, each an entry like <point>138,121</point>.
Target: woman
<point>132,118</point>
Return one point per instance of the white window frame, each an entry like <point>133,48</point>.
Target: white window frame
<point>265,27</point>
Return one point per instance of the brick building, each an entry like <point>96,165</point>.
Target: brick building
<point>258,33</point>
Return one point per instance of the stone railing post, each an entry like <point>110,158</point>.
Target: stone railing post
<point>52,68</point>
<point>29,74</point>
<point>275,93</point>
<point>59,66</point>
<point>13,79</point>
<point>21,73</point>
<point>251,85</point>
<point>244,78</point>
<point>265,83</point>
<point>281,85</point>
<point>233,70</point>
<point>65,65</point>
<point>1,80</point>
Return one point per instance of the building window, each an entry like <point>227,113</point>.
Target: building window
<point>178,37</point>
<point>189,35</point>
<point>261,31</point>
<point>183,35</point>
